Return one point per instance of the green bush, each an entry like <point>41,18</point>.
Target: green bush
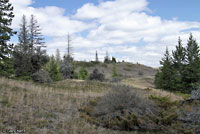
<point>83,74</point>
<point>54,69</point>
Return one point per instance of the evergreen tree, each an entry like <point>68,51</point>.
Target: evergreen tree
<point>22,56</point>
<point>36,39</point>
<point>114,71</point>
<point>39,57</point>
<point>54,70</point>
<point>164,76</point>
<point>192,68</point>
<point>114,60</point>
<point>66,67</point>
<point>6,17</point>
<point>83,73</point>
<point>178,66</point>
<point>28,55</point>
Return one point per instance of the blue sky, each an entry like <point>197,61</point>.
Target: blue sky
<point>186,10</point>
<point>131,30</point>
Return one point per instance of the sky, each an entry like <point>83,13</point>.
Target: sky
<point>130,30</point>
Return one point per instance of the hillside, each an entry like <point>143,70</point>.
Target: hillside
<point>124,69</point>
<point>55,108</point>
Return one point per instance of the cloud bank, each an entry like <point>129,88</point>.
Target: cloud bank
<point>125,28</point>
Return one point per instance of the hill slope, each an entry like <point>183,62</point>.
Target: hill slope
<point>124,69</point>
<point>53,108</point>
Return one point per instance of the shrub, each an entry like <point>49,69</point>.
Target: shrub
<point>96,75</point>
<point>83,74</point>
<point>122,98</point>
<point>41,76</point>
<point>122,109</point>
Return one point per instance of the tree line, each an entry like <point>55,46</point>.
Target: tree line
<point>28,60</point>
<point>180,71</point>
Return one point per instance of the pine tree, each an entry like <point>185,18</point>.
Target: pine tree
<point>192,69</point>
<point>114,60</point>
<point>67,67</point>
<point>114,71</point>
<point>28,55</point>
<point>6,17</point>
<point>164,76</point>
<point>22,56</point>
<point>178,66</point>
<point>54,70</point>
<point>36,39</point>
<point>83,73</point>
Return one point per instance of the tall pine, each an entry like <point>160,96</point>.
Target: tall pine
<point>178,67</point>
<point>22,53</point>
<point>6,17</point>
<point>192,67</point>
<point>164,76</point>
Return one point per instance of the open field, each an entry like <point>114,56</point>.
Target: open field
<point>49,109</point>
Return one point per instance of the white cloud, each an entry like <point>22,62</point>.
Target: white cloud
<point>123,27</point>
<point>51,19</point>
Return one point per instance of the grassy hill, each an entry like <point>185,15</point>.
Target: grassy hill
<point>72,106</point>
<point>54,108</point>
<point>124,69</point>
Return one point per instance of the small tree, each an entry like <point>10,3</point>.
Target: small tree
<point>114,71</point>
<point>66,67</point>
<point>83,73</point>
<point>54,70</point>
<point>114,60</point>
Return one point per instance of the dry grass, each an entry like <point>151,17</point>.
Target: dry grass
<point>146,83</point>
<point>124,69</point>
<point>41,109</point>
<point>53,109</point>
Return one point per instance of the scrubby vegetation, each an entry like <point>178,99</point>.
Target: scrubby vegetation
<point>41,76</point>
<point>125,108</point>
<point>96,75</point>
